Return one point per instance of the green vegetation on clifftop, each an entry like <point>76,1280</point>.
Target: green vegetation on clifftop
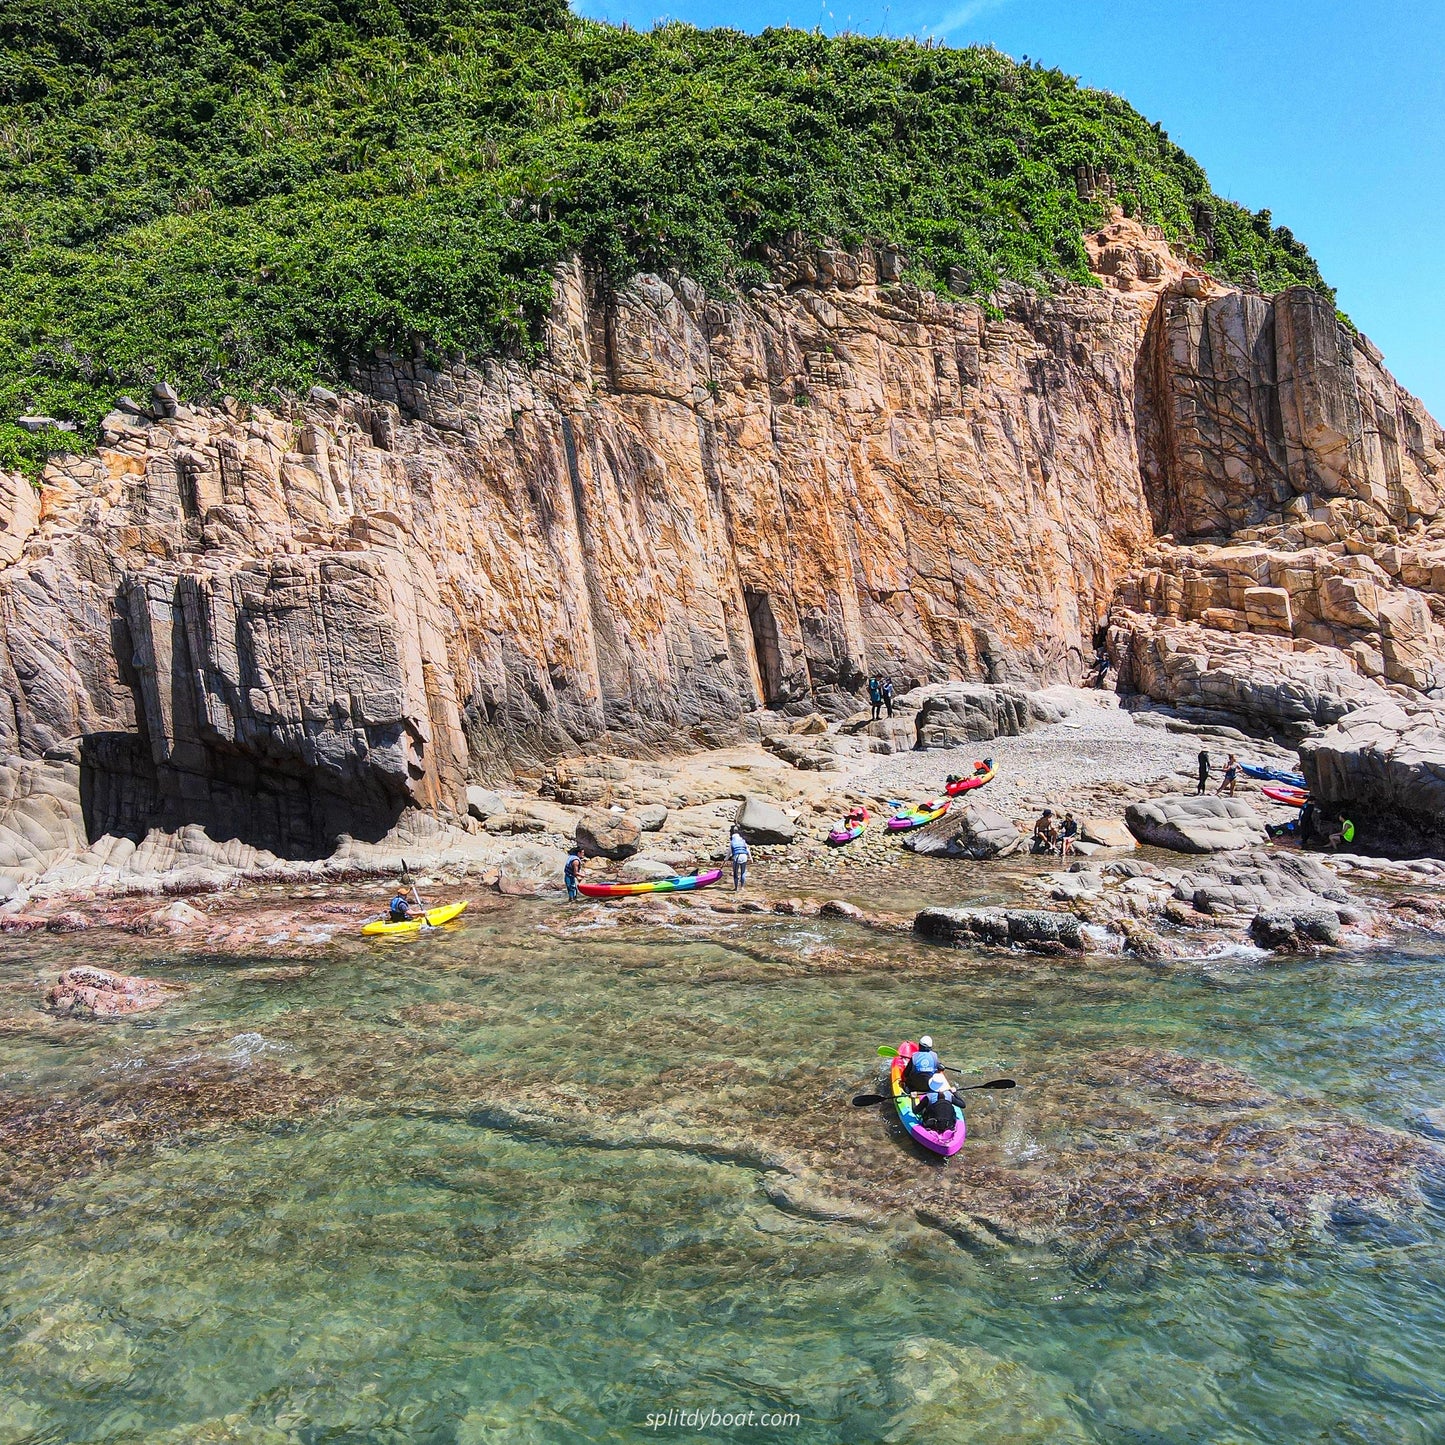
<point>238,195</point>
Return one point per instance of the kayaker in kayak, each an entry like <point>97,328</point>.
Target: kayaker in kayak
<point>922,1066</point>
<point>398,910</point>
<point>939,1110</point>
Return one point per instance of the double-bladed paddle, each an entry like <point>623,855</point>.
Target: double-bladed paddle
<point>862,1101</point>
<point>887,1051</point>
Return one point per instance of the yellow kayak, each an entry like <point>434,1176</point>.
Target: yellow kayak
<point>434,918</point>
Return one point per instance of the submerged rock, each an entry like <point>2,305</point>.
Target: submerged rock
<point>86,992</point>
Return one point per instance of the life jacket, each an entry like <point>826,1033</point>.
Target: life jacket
<point>924,1062</point>
<point>399,909</point>
<point>1348,831</point>
<point>574,861</point>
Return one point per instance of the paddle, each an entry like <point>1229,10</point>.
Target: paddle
<point>407,878</point>
<point>862,1101</point>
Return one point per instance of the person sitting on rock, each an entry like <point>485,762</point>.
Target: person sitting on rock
<point>939,1110</point>
<point>399,910</point>
<point>1343,835</point>
<point>1068,834</point>
<point>922,1066</point>
<point>1231,776</point>
<point>1046,836</point>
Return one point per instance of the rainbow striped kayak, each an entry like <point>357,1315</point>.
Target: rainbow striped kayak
<point>949,1143</point>
<point>919,814</point>
<point>681,884</point>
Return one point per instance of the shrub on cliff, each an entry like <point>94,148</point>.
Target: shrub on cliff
<point>243,194</point>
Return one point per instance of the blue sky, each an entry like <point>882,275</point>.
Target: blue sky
<point>1332,114</point>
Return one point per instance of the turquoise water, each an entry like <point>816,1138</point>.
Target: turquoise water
<point>453,1209</point>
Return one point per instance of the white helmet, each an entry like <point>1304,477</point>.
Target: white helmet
<point>925,1042</point>
<point>938,1083</point>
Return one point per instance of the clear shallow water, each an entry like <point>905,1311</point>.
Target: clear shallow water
<point>404,1264</point>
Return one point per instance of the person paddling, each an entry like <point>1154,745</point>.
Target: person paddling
<point>922,1066</point>
<point>399,910</point>
<point>939,1110</point>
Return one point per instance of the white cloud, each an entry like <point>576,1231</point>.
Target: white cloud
<point>960,16</point>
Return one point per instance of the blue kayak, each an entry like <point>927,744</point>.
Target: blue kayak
<point>1272,775</point>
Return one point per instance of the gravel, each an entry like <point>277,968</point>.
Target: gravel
<point>1096,757</point>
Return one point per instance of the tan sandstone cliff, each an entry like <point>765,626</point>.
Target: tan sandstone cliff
<point>285,625</point>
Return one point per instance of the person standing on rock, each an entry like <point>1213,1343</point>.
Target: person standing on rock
<point>888,695</point>
<point>1203,773</point>
<point>875,697</point>
<point>572,873</point>
<point>738,847</point>
<point>1231,776</point>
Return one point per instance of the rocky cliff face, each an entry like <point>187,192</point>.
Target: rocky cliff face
<point>290,625</point>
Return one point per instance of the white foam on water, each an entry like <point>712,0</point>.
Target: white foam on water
<point>245,1048</point>
<point>1240,952</point>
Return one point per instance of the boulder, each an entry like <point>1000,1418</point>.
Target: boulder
<point>1385,766</point>
<point>760,821</point>
<point>1295,930</point>
<point>645,870</point>
<point>951,713</point>
<point>976,831</point>
<point>652,819</point>
<point>483,803</point>
<point>86,992</point>
<point>529,870</point>
<point>814,725</point>
<point>1187,824</point>
<point>1106,832</point>
<point>1036,929</point>
<point>608,835</point>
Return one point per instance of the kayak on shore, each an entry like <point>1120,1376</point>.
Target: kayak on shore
<point>1272,775</point>
<point>428,918</point>
<point>853,827</point>
<point>683,883</point>
<point>1290,797</point>
<point>919,814</point>
<point>983,772</point>
<point>903,1101</point>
